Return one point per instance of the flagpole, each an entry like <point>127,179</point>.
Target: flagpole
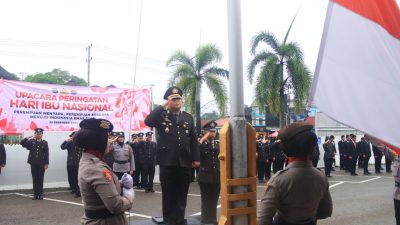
<point>237,120</point>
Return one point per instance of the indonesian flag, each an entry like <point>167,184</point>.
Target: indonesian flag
<point>357,77</point>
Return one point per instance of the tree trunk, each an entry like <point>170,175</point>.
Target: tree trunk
<point>197,102</point>
<point>282,111</point>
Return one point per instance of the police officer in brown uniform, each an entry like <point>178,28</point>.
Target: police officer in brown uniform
<point>177,153</point>
<point>298,194</point>
<point>209,174</point>
<point>39,160</point>
<point>100,188</point>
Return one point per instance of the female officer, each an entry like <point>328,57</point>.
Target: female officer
<point>298,194</point>
<point>209,174</point>
<point>100,188</point>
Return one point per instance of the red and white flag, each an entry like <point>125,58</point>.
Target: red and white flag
<point>357,78</point>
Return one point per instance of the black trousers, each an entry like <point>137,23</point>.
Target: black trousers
<point>175,183</point>
<point>138,174</point>
<point>397,211</point>
<point>37,171</point>
<point>261,169</point>
<point>268,169</point>
<point>378,163</point>
<point>365,163</point>
<point>148,171</point>
<point>209,200</point>
<point>352,164</point>
<point>120,174</point>
<point>346,162</point>
<point>360,161</point>
<point>328,166</point>
<point>315,161</point>
<point>277,165</point>
<point>342,161</point>
<point>73,177</point>
<point>388,164</point>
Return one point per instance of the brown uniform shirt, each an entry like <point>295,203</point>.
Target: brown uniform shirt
<point>101,190</point>
<point>298,194</point>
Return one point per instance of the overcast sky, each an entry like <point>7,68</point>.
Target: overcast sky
<point>37,36</point>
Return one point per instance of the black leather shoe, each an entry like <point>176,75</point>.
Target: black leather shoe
<point>35,196</point>
<point>40,197</point>
<point>151,190</point>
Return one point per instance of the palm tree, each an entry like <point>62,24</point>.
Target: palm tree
<point>271,85</point>
<point>191,72</point>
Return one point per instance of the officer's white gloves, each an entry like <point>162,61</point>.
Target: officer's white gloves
<point>128,193</point>
<point>127,181</point>
<point>127,187</point>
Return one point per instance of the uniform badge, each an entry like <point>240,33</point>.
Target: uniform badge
<point>187,131</point>
<point>167,130</point>
<point>174,91</point>
<point>108,175</point>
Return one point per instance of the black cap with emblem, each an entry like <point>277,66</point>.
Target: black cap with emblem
<point>211,126</point>
<point>140,134</point>
<point>173,92</point>
<point>149,134</point>
<point>93,134</point>
<point>298,139</point>
<point>39,131</point>
<point>134,135</point>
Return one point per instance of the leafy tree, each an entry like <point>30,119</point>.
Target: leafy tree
<point>210,116</point>
<point>192,72</point>
<point>271,85</point>
<point>56,76</point>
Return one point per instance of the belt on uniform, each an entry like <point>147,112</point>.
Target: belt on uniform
<point>98,214</point>
<point>280,221</point>
<point>121,162</point>
<point>397,183</point>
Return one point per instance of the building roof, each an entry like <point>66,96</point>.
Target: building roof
<point>5,74</point>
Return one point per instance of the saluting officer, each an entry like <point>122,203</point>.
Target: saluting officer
<point>177,153</point>
<point>209,174</point>
<point>39,160</point>
<point>108,156</point>
<point>149,162</point>
<point>101,190</point>
<point>124,161</point>
<point>278,156</point>
<point>73,157</point>
<point>288,199</point>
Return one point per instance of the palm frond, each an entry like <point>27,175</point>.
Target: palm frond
<point>266,37</point>
<point>260,57</point>
<point>217,71</point>
<point>300,78</point>
<point>206,55</point>
<point>290,27</point>
<point>180,71</point>
<point>188,86</point>
<point>292,50</point>
<point>218,89</point>
<point>179,57</point>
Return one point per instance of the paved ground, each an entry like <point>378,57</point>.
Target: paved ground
<point>357,200</point>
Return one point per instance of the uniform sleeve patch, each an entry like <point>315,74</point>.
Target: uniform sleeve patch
<point>108,175</point>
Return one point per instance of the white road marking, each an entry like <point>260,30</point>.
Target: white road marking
<point>334,185</point>
<point>129,214</point>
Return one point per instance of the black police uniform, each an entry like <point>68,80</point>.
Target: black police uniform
<point>209,179</point>
<point>138,151</point>
<point>73,157</point>
<point>279,157</point>
<point>315,156</point>
<point>38,158</point>
<point>2,156</point>
<point>342,151</point>
<point>177,148</point>
<point>378,159</point>
<point>352,152</point>
<point>365,154</point>
<point>261,160</point>
<point>149,163</point>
